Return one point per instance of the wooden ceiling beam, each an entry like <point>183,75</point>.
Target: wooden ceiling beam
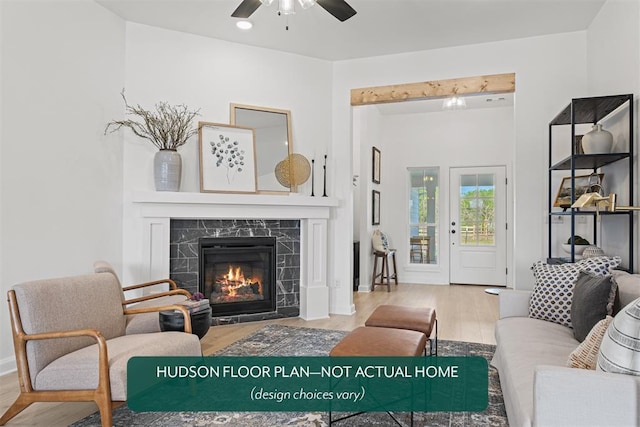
<point>492,84</point>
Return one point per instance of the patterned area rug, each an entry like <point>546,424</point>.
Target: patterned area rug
<point>277,340</point>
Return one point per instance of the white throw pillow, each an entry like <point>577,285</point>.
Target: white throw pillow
<point>620,347</point>
<point>379,241</point>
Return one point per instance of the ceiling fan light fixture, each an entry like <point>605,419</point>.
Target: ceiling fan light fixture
<point>244,25</point>
<point>306,4</point>
<point>266,2</point>
<point>286,7</point>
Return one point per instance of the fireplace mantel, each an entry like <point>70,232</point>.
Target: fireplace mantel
<point>146,239</point>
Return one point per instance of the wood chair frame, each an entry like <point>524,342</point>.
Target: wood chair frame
<point>100,395</point>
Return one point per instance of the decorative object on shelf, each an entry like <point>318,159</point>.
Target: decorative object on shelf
<point>376,159</point>
<point>597,140</point>
<point>273,141</point>
<point>227,158</point>
<point>592,251</point>
<point>584,184</point>
<point>375,207</point>
<point>324,167</point>
<point>168,128</point>
<point>293,171</point>
<point>313,174</point>
<point>579,245</point>
<point>577,145</point>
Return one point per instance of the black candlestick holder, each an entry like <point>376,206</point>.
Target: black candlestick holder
<point>313,171</point>
<point>324,191</point>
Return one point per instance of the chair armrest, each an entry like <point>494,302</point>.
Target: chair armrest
<point>580,397</point>
<point>183,309</point>
<point>184,292</point>
<point>513,303</point>
<point>103,356</point>
<point>172,284</point>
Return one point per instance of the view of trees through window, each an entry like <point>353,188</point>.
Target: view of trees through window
<point>423,215</point>
<point>477,210</point>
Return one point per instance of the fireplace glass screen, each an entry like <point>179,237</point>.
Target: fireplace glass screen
<point>237,275</point>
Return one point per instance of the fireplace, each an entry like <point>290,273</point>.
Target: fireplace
<point>238,274</point>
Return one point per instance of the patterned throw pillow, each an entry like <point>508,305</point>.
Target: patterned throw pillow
<point>379,241</point>
<point>585,356</point>
<point>553,289</point>
<point>620,347</point>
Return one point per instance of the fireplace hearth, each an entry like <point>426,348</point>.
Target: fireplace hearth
<point>237,274</point>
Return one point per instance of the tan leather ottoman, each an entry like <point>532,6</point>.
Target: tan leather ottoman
<point>372,341</point>
<point>421,319</point>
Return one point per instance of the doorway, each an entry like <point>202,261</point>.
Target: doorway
<point>478,226</point>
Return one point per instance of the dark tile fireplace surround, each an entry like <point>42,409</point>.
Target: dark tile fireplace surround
<point>185,235</point>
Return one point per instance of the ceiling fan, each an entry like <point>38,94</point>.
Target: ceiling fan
<point>338,8</point>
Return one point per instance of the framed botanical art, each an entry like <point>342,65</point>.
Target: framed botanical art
<point>375,207</point>
<point>227,158</point>
<point>375,155</point>
<point>584,184</point>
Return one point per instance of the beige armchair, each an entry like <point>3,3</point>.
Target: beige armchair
<point>71,342</point>
<point>147,321</point>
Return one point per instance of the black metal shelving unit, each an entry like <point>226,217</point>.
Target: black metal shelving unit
<point>590,111</point>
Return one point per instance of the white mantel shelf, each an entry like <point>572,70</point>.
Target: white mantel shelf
<point>250,206</point>
<point>146,239</point>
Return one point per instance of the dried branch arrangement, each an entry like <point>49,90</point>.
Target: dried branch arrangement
<point>168,127</point>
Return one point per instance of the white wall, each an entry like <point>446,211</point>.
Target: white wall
<point>62,68</point>
<point>209,74</point>
<point>446,139</point>
<point>549,72</point>
<point>613,66</point>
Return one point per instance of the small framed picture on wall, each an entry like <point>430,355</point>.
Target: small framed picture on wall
<point>375,207</point>
<point>376,165</point>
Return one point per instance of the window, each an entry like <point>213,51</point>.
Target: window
<point>477,210</point>
<point>423,215</point>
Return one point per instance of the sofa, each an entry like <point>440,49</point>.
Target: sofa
<point>539,388</point>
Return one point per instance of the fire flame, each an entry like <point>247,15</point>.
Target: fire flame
<point>235,280</point>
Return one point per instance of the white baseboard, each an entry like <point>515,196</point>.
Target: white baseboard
<point>7,365</point>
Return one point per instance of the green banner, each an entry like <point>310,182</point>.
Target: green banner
<point>307,383</point>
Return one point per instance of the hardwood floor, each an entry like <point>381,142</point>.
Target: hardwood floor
<point>465,313</point>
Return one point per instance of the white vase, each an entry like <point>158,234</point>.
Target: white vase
<point>597,141</point>
<point>167,170</point>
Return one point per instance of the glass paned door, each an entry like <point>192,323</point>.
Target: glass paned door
<point>477,225</point>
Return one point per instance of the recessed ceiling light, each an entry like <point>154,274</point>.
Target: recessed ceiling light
<point>244,25</point>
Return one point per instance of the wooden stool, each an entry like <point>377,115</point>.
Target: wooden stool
<point>385,273</point>
<point>421,319</point>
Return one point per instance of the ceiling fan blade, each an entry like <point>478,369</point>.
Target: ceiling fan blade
<point>246,8</point>
<point>338,8</point>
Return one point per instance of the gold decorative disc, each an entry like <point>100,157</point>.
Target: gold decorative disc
<point>293,170</point>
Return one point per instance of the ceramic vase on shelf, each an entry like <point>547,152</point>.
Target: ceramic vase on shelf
<point>167,170</point>
<point>597,141</point>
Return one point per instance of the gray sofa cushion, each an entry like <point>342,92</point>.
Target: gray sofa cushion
<point>79,370</point>
<point>592,301</point>
<point>523,344</point>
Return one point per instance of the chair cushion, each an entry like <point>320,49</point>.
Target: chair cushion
<point>79,370</point>
<point>149,322</point>
<point>91,301</point>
